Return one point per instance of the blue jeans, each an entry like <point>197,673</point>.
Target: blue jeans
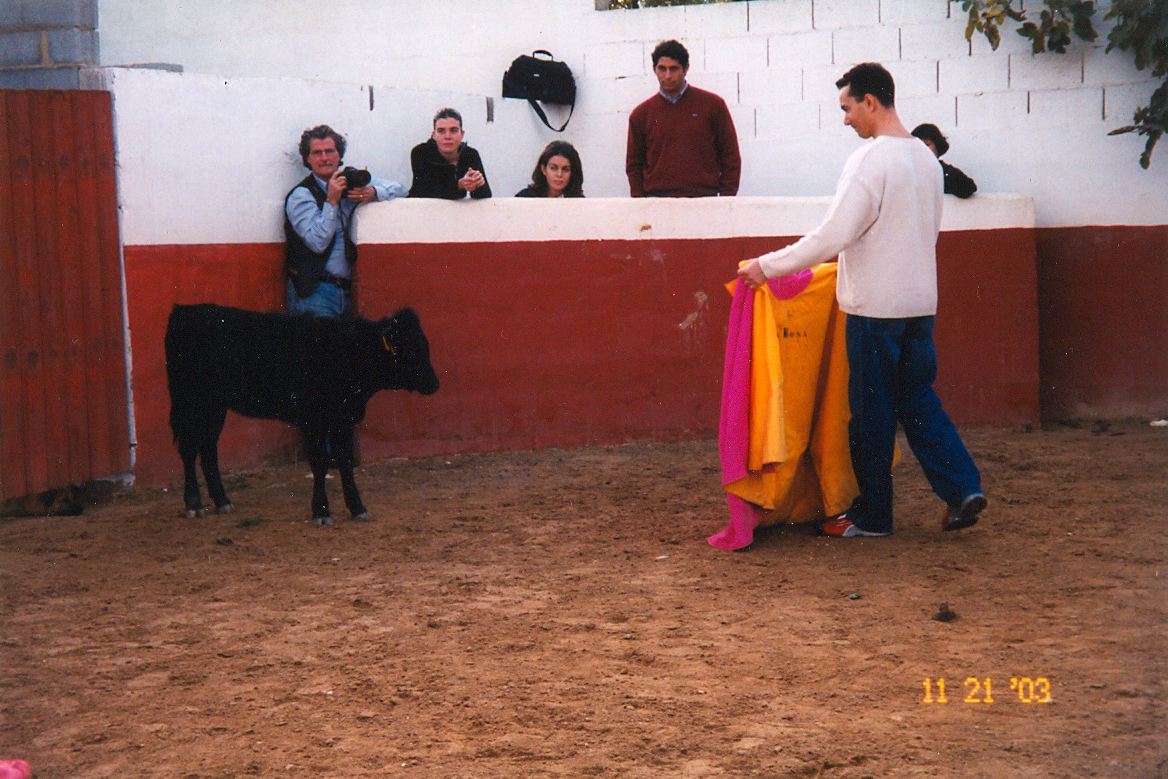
<point>892,365</point>
<point>327,300</point>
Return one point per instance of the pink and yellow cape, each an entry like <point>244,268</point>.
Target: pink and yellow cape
<point>783,434</point>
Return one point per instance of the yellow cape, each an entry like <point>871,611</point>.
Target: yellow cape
<point>799,465</point>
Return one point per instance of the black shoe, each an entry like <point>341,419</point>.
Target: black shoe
<point>965,515</point>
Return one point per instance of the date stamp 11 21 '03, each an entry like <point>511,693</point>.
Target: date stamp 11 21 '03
<point>981,690</point>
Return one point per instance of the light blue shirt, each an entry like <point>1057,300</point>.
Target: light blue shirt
<point>318,226</point>
<point>661,92</point>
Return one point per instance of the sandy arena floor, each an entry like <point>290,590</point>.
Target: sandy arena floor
<point>559,613</point>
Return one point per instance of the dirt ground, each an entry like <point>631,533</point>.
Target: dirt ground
<point>559,613</point>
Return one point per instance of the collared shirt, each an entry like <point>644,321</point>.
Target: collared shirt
<point>317,226</point>
<point>676,97</point>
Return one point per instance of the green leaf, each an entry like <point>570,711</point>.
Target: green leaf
<point>1139,27</point>
<point>1085,30</point>
<point>1146,157</point>
<point>1059,39</point>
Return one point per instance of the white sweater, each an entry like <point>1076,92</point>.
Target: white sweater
<point>883,224</point>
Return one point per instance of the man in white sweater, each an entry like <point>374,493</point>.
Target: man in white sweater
<point>883,224</point>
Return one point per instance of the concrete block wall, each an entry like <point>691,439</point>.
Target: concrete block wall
<point>1013,118</point>
<point>237,138</point>
<point>47,44</point>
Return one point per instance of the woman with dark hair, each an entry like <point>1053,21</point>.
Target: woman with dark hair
<point>956,182</point>
<point>558,173</point>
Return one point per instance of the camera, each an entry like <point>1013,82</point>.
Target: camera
<point>356,178</point>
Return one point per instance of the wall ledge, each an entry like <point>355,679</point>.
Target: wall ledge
<point>527,220</point>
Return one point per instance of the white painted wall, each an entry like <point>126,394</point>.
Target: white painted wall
<point>1017,123</point>
<point>207,159</point>
<point>211,164</point>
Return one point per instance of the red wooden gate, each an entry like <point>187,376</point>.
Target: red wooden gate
<point>63,411</point>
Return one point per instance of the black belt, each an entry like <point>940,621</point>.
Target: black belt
<point>345,284</point>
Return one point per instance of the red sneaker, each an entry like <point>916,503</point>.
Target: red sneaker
<point>841,527</point>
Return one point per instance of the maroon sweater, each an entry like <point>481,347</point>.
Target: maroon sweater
<point>683,149</point>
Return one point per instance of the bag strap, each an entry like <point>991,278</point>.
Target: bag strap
<point>543,116</point>
<point>550,56</point>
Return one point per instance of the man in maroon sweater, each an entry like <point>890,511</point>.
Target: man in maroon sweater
<point>682,141</point>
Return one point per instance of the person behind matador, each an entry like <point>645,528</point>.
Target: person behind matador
<point>956,182</point>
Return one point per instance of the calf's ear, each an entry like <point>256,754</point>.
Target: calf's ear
<point>405,320</point>
<point>406,317</point>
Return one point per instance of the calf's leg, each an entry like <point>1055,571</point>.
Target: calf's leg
<point>188,450</point>
<point>209,454</point>
<point>314,443</point>
<point>342,446</point>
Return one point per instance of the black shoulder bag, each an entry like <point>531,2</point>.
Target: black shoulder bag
<point>533,78</point>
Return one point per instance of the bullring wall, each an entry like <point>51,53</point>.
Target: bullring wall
<point>587,322</point>
<point>209,98</point>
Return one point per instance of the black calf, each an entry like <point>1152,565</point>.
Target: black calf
<point>315,373</point>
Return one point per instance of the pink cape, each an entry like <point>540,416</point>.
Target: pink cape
<point>734,424</point>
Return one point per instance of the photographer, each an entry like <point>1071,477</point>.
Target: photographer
<point>318,215</point>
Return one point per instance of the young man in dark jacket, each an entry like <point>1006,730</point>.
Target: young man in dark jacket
<point>444,166</point>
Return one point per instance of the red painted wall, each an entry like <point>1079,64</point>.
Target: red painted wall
<point>987,331</point>
<point>1103,307</point>
<point>158,277</point>
<point>555,343</point>
<point>569,343</point>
